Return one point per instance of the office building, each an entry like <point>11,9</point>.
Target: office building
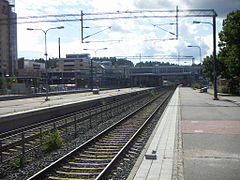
<point>8,39</point>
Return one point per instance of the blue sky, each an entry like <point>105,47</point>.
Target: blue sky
<point>133,35</point>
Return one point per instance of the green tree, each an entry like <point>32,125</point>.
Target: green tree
<point>207,67</point>
<point>153,63</point>
<point>116,62</point>
<point>40,60</point>
<point>50,63</point>
<point>1,83</point>
<point>229,53</point>
<point>7,83</point>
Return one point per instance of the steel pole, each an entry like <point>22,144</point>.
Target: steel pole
<point>45,35</point>
<point>200,51</point>
<point>214,60</point>
<point>91,80</point>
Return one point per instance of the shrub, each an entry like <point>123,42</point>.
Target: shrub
<point>234,86</point>
<point>223,89</point>
<point>154,92</point>
<point>19,161</point>
<point>52,141</point>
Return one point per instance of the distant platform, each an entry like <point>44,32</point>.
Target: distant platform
<point>10,107</point>
<point>23,112</point>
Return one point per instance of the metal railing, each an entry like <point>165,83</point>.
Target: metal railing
<point>28,139</point>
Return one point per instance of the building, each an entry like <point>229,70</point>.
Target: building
<point>30,74</point>
<point>30,68</point>
<point>109,76</point>
<point>73,62</point>
<point>74,69</point>
<point>8,38</point>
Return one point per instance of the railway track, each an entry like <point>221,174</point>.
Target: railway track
<point>24,140</point>
<point>95,158</point>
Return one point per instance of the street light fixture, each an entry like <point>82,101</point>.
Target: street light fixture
<point>95,50</point>
<point>200,51</point>
<point>45,40</point>
<point>202,22</point>
<point>91,65</point>
<point>214,54</point>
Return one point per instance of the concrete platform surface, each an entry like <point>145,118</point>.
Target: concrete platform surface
<point>228,97</point>
<point>197,138</point>
<point>11,107</point>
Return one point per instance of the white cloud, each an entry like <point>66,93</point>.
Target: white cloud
<point>156,4</point>
<point>222,7</point>
<point>119,28</point>
<point>112,5</point>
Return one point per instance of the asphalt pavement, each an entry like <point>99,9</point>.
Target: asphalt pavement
<point>210,136</point>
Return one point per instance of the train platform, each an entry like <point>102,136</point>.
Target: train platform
<point>11,107</point>
<point>197,138</point>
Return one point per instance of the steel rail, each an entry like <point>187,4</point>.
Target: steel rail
<point>85,115</point>
<point>8,133</point>
<point>105,172</point>
<point>41,174</point>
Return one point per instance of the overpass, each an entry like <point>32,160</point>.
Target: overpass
<point>155,75</point>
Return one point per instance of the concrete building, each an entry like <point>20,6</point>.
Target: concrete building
<point>74,62</point>
<point>8,38</point>
<point>30,74</point>
<point>30,68</point>
<point>74,69</point>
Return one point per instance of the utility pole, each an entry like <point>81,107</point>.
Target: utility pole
<point>59,48</point>
<point>82,26</point>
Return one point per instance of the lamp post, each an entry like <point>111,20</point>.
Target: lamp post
<point>200,52</point>
<point>45,40</point>
<point>91,65</point>
<point>7,82</point>
<point>214,54</point>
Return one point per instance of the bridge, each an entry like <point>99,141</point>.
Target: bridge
<point>155,75</point>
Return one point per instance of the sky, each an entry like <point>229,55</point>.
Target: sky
<point>126,37</point>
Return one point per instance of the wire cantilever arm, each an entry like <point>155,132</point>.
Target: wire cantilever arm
<point>96,33</point>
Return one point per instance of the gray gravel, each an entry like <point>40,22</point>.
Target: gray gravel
<point>40,159</point>
<point>123,168</point>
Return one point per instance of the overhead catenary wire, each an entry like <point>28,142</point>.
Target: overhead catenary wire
<point>114,16</point>
<point>157,57</point>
